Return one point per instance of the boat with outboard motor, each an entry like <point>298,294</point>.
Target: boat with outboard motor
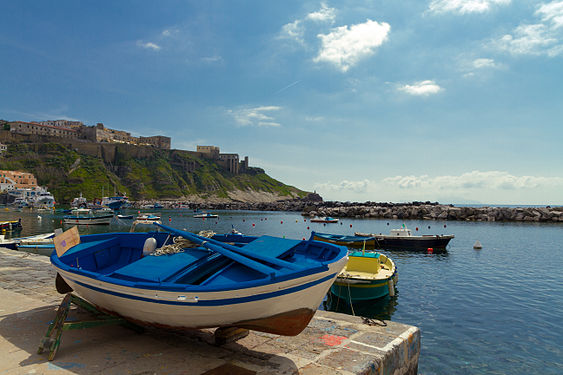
<point>270,284</point>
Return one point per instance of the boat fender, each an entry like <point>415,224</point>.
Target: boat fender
<point>391,288</point>
<point>149,246</point>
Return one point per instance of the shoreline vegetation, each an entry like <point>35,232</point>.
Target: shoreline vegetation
<point>312,206</point>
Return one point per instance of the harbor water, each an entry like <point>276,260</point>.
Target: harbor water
<point>498,310</point>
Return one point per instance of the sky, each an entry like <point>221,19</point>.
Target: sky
<point>387,101</point>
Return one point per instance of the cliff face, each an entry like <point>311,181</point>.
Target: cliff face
<point>140,172</point>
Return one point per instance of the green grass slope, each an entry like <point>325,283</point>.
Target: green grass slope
<point>159,174</point>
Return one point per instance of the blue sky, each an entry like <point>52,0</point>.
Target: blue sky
<point>443,100</point>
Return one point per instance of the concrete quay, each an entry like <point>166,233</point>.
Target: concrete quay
<point>332,343</point>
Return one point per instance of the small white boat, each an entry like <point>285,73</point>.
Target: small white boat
<point>326,219</point>
<point>87,218</point>
<point>148,217</point>
<point>205,215</point>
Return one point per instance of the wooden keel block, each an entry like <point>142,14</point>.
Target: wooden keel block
<point>224,335</point>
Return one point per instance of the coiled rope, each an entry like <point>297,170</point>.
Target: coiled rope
<point>179,244</point>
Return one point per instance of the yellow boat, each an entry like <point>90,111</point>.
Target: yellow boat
<point>366,276</point>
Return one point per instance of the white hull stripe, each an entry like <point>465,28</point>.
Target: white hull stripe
<point>217,302</point>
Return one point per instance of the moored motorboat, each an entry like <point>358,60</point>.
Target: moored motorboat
<point>84,216</point>
<point>367,275</point>
<point>11,225</point>
<point>403,238</point>
<point>115,203</point>
<point>148,217</point>
<point>270,284</point>
<point>205,215</point>
<point>399,239</point>
<point>326,219</point>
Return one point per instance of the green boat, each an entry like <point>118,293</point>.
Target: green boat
<point>367,276</point>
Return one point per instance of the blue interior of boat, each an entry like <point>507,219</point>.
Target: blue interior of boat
<point>119,256</point>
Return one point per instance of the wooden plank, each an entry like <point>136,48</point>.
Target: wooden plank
<point>66,240</point>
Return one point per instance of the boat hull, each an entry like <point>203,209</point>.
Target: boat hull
<point>283,308</point>
<point>368,290</point>
<point>390,242</point>
<point>411,243</point>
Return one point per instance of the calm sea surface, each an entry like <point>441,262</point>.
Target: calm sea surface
<point>498,310</point>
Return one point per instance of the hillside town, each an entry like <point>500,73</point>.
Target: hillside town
<point>20,189</point>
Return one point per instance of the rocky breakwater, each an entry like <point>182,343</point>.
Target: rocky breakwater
<point>434,211</point>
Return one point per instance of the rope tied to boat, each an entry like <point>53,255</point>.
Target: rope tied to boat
<point>177,246</point>
<point>180,243</point>
<point>373,322</point>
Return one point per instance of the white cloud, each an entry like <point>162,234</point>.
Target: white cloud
<point>258,116</point>
<point>344,46</point>
<point>325,14</point>
<point>484,63</point>
<point>211,59</point>
<point>464,6</point>
<point>474,180</point>
<point>346,186</point>
<point>294,31</point>
<point>421,88</point>
<point>552,12</point>
<point>148,45</point>
<point>542,38</point>
<point>476,186</point>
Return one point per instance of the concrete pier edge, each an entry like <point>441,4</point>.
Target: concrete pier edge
<point>333,343</point>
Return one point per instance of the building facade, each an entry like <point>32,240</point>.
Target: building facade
<point>63,123</point>
<point>35,128</point>
<point>10,180</point>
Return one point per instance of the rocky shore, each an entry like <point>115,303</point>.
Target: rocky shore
<point>314,206</point>
<point>438,212</point>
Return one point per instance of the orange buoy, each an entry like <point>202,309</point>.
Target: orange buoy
<point>253,224</point>
<point>416,228</point>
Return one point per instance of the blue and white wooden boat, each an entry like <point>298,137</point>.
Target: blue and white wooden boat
<point>269,284</point>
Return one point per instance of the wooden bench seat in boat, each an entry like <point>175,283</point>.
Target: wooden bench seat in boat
<point>160,268</point>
